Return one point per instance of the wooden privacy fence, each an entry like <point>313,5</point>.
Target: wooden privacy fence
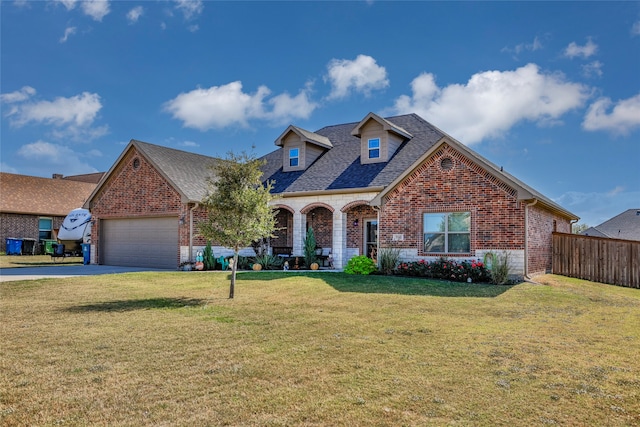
<point>597,259</point>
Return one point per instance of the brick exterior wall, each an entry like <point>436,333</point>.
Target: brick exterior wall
<point>541,224</point>
<point>497,217</point>
<point>355,233</point>
<point>137,192</point>
<point>284,223</point>
<point>21,226</point>
<point>321,219</point>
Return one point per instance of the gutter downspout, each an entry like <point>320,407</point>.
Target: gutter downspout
<point>191,229</point>
<point>526,241</point>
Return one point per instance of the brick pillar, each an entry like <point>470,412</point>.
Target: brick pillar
<point>339,239</point>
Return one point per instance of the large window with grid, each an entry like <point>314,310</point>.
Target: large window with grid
<point>447,232</point>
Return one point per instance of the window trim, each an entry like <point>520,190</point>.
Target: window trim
<point>296,157</point>
<point>373,149</point>
<point>446,233</point>
<point>48,230</point>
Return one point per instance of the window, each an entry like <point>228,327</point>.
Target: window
<point>447,232</point>
<point>45,226</point>
<point>374,148</point>
<point>294,157</point>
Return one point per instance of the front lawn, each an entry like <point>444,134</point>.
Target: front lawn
<point>316,349</point>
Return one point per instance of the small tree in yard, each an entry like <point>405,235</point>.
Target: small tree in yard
<point>237,205</point>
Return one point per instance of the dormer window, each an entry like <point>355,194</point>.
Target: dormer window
<point>294,157</point>
<point>379,139</point>
<point>374,148</point>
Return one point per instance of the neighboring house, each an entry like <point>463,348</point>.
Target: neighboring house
<point>34,207</point>
<point>379,183</point>
<point>624,226</point>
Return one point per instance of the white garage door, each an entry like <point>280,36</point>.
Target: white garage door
<point>140,242</point>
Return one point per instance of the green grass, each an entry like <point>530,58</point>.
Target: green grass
<point>316,349</point>
<point>11,261</point>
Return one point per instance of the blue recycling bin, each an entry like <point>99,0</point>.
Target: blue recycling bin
<point>14,246</point>
<point>86,253</point>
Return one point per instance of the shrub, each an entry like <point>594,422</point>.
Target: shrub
<point>388,259</point>
<point>207,258</point>
<point>269,262</point>
<point>244,263</point>
<point>360,265</point>
<point>310,248</point>
<point>499,267</point>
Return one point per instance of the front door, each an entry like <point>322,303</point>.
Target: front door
<point>371,239</point>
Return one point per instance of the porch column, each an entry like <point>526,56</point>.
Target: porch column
<point>298,233</point>
<point>339,239</point>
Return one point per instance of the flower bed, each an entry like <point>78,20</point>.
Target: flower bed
<point>445,269</point>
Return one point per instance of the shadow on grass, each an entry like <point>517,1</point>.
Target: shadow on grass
<point>138,304</point>
<point>378,284</point>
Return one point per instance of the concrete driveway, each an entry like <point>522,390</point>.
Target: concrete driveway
<point>44,272</point>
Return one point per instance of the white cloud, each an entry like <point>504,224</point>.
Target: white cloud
<point>635,29</point>
<point>134,14</point>
<point>360,75</point>
<point>71,117</point>
<point>67,32</point>
<point>69,4</point>
<point>592,69</point>
<point>189,144</point>
<point>189,8</point>
<point>536,44</point>
<point>97,9</point>
<point>286,108</point>
<point>55,157</point>
<point>573,50</point>
<point>492,102</point>
<point>221,106</point>
<point>18,96</point>
<point>624,116</point>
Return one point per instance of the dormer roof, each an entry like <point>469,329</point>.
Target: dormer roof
<point>386,125</point>
<point>305,136</point>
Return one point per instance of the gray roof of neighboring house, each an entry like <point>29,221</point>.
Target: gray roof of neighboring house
<point>339,168</point>
<point>624,226</point>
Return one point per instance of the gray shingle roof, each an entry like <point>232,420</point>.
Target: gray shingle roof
<point>340,168</point>
<point>187,172</point>
<point>623,226</point>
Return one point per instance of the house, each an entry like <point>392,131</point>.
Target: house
<point>382,182</point>
<point>34,207</point>
<point>624,226</point>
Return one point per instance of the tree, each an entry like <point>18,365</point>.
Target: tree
<point>579,228</point>
<point>237,205</point>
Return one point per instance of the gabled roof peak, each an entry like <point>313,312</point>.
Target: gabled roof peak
<point>306,136</point>
<point>386,125</point>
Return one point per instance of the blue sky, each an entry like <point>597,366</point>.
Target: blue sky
<point>548,90</point>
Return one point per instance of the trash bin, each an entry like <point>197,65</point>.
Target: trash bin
<point>47,247</point>
<point>86,253</point>
<point>58,249</point>
<point>29,246</point>
<point>14,246</point>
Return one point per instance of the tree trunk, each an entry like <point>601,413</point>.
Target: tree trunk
<point>234,268</point>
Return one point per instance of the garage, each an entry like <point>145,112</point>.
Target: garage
<point>140,242</point>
